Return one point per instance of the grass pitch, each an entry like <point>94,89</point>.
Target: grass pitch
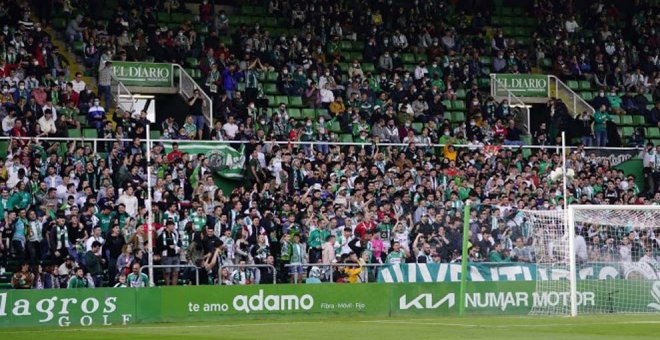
<point>602,327</point>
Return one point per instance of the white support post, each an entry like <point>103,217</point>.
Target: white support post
<point>572,260</point>
<point>150,237</point>
<point>570,224</point>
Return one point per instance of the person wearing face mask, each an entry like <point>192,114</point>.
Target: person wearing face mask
<point>21,92</point>
<point>615,102</point>
<point>385,62</point>
<point>601,99</point>
<point>96,115</point>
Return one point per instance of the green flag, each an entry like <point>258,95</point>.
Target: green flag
<point>224,160</point>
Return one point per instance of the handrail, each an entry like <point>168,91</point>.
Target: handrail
<point>186,90</point>
<point>174,266</point>
<point>520,103</point>
<point>251,266</point>
<point>577,100</point>
<point>122,91</point>
<point>510,94</point>
<point>311,143</point>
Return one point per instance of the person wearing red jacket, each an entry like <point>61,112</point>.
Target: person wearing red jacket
<point>367,224</point>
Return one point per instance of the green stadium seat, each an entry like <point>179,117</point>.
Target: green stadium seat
<point>616,119</point>
<point>628,131</point>
<point>271,76</point>
<point>322,112</point>
<point>295,114</point>
<point>295,101</point>
<point>346,45</point>
<point>573,85</point>
<point>74,133</point>
<point>457,117</point>
<point>241,87</point>
<point>652,132</point>
<point>458,105</point>
<point>270,89</point>
<point>179,18</point>
<point>335,127</point>
<point>460,93</point>
<point>627,120</point>
<point>368,67</point>
<point>447,104</point>
<point>90,133</point>
<point>282,99</point>
<point>639,120</point>
<point>346,138</point>
<point>309,113</point>
<point>272,102</point>
<point>192,62</point>
<point>585,85</point>
<point>154,134</point>
<point>408,58</point>
<point>587,95</point>
<point>417,127</point>
<point>270,21</point>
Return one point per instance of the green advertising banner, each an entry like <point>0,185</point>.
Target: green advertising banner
<point>521,85</point>
<point>521,298</point>
<point>67,307</point>
<point>493,272</point>
<point>211,303</point>
<point>139,74</point>
<point>125,306</point>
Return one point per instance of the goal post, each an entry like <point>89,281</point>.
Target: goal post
<point>599,258</point>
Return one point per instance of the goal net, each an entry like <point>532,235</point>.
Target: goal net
<point>595,259</point>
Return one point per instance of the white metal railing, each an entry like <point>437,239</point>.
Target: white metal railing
<point>123,97</point>
<point>186,87</point>
<point>513,100</point>
<point>573,101</point>
<point>95,141</point>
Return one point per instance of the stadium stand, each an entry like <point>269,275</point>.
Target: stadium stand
<point>334,79</point>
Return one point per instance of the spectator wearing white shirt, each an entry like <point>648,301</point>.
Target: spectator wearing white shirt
<point>420,70</point>
<point>49,106</point>
<point>47,123</point>
<point>129,201</point>
<point>96,237</point>
<point>8,122</point>
<point>648,257</point>
<point>399,40</point>
<point>78,83</point>
<point>327,96</point>
<point>230,128</point>
<point>571,26</point>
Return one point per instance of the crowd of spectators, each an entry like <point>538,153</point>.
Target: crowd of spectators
<point>82,213</point>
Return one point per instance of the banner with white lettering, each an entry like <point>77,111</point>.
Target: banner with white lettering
<point>490,272</point>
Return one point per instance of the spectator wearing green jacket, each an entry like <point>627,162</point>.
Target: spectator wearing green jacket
<point>601,117</point>
<point>498,255</point>
<point>79,280</point>
<point>615,102</point>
